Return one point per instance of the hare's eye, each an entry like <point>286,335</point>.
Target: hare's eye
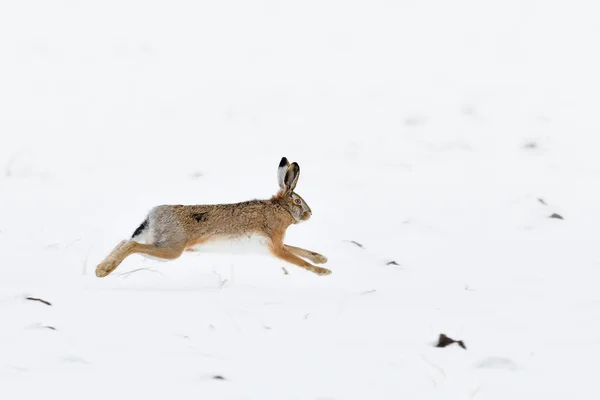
<point>298,201</point>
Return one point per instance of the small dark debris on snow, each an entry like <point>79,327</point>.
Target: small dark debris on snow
<point>530,145</point>
<point>556,216</point>
<point>50,327</point>
<point>40,300</point>
<point>219,378</point>
<point>444,341</point>
<point>542,201</point>
<point>356,243</point>
<point>392,263</point>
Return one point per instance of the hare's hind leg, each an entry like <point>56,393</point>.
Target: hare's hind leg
<point>126,248</point>
<point>106,266</point>
<point>310,255</point>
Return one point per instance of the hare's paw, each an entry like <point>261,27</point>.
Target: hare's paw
<point>318,258</point>
<point>321,271</point>
<point>105,268</point>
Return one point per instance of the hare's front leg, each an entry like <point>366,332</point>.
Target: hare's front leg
<point>126,248</point>
<point>280,251</point>
<point>311,255</point>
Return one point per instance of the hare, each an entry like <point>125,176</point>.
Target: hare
<point>169,230</point>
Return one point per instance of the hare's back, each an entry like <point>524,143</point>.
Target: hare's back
<point>225,228</point>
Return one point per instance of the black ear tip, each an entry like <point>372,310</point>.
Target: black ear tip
<point>283,162</point>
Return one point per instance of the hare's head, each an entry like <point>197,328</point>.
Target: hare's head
<point>287,176</point>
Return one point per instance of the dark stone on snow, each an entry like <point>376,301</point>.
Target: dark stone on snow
<point>444,341</point>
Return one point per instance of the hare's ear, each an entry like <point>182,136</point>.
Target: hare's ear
<point>283,166</point>
<point>291,177</point>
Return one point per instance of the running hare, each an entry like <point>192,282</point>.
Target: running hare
<point>169,230</point>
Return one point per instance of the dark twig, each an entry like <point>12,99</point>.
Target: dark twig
<point>355,243</point>
<point>40,300</point>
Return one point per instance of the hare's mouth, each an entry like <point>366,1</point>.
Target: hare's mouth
<point>305,216</point>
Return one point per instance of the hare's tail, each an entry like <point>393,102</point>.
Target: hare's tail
<point>141,229</point>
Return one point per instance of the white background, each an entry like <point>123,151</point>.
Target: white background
<point>427,131</point>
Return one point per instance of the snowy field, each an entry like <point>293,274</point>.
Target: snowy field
<point>439,135</point>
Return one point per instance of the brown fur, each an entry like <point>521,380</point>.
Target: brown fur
<point>177,228</point>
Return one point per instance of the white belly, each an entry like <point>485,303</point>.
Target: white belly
<point>247,244</point>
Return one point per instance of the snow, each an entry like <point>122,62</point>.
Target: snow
<point>427,132</point>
